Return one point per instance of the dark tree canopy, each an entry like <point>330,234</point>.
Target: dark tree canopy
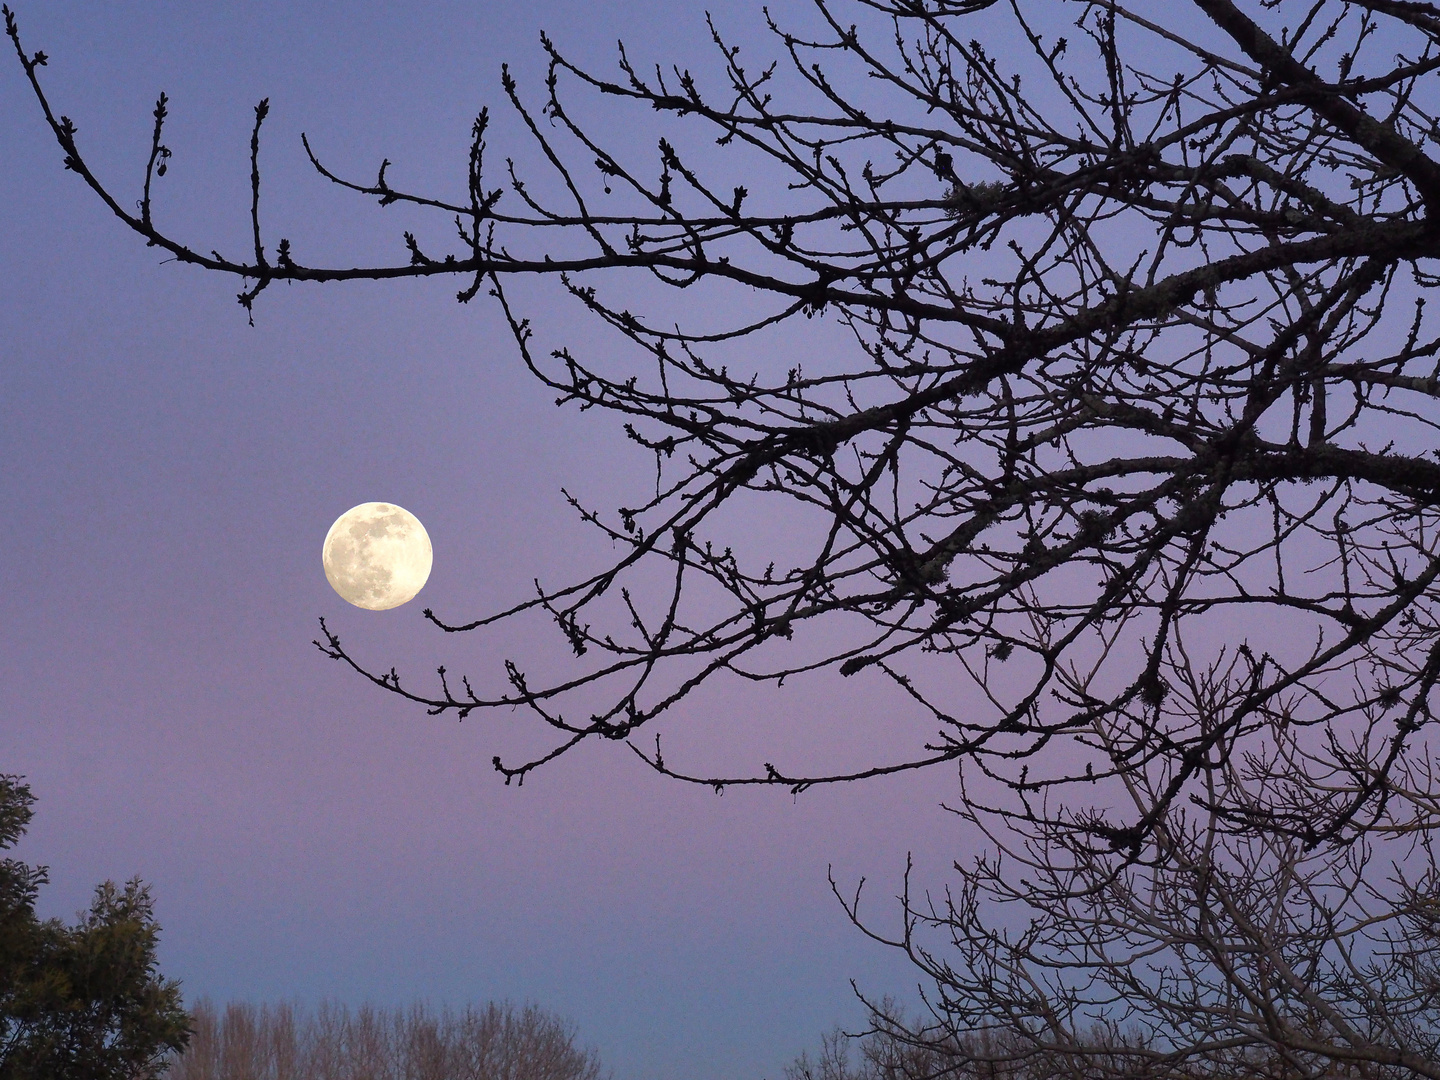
<point>84,1001</point>
<point>1116,461</point>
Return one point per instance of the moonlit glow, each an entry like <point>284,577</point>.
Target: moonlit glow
<point>377,555</point>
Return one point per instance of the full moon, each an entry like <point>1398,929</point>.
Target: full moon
<point>377,555</point>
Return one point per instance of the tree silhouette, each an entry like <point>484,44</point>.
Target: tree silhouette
<point>1222,952</point>
<point>1191,391</point>
<point>1126,479</point>
<point>333,1042</point>
<point>85,1000</point>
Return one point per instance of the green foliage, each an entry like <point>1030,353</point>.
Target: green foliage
<point>85,1001</point>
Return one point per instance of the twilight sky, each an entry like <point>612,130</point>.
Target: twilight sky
<point>169,475</point>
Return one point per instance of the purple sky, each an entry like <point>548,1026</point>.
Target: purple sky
<point>169,475</point>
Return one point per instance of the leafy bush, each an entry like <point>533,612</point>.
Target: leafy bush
<point>84,1000</point>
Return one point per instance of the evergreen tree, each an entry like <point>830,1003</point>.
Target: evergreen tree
<point>85,1001</point>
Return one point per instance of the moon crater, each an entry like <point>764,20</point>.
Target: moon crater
<point>377,556</point>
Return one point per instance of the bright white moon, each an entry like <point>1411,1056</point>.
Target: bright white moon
<point>377,555</point>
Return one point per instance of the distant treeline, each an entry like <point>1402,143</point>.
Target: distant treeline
<point>900,1048</point>
<point>335,1042</point>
